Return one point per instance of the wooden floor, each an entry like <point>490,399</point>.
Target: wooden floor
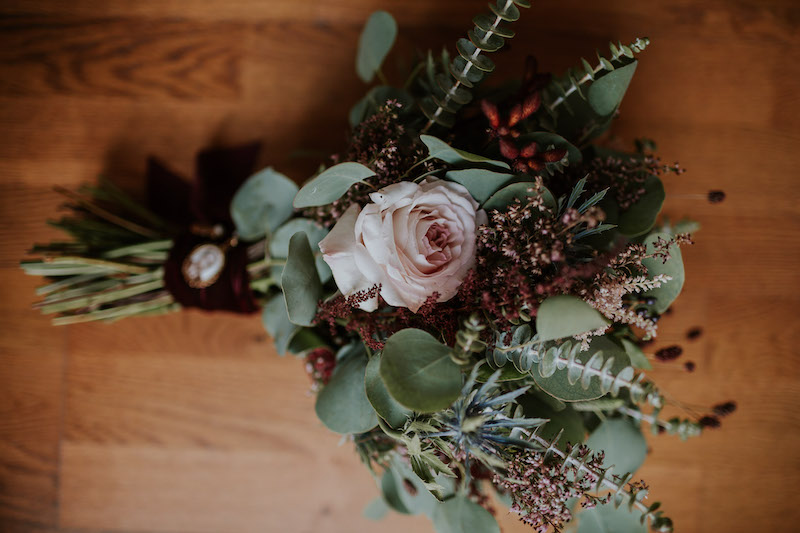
<point>191,423</point>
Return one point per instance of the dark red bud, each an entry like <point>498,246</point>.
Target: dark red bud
<point>531,104</point>
<point>508,149</point>
<point>515,115</point>
<point>490,110</point>
<point>529,151</point>
<point>551,156</point>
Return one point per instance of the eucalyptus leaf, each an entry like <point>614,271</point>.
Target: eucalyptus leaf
<point>639,218</point>
<point>558,384</point>
<point>609,519</point>
<point>669,291</point>
<point>331,184</point>
<point>301,285</point>
<point>622,442</point>
<point>276,322</point>
<point>565,316</point>
<point>374,44</point>
<point>342,404</point>
<point>636,355</point>
<point>418,371</point>
<point>520,190</point>
<point>383,403</point>
<point>417,501</point>
<point>262,203</point>
<point>376,509</point>
<point>480,183</point>
<point>606,93</point>
<point>438,149</point>
<point>566,419</point>
<point>391,491</point>
<point>461,515</point>
<point>279,243</point>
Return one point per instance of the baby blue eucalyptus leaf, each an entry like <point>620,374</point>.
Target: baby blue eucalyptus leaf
<point>331,184</point>
<point>606,93</point>
<point>622,442</point>
<point>418,371</point>
<point>480,183</point>
<point>669,291</point>
<point>262,204</point>
<point>342,404</point>
<point>376,509</point>
<point>438,149</point>
<point>386,406</point>
<point>374,44</point>
<point>461,515</point>
<point>559,386</point>
<point>609,519</point>
<point>639,218</point>
<point>521,190</point>
<point>565,316</point>
<point>302,288</point>
<point>276,322</point>
<point>636,355</point>
<point>279,243</point>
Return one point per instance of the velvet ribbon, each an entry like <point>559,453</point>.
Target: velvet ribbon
<point>205,201</point>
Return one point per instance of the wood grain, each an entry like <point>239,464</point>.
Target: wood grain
<point>191,423</point>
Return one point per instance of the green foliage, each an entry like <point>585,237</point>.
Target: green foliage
<point>342,404</point>
<point>331,184</point>
<point>668,292</point>
<point>418,371</point>
<point>568,374</point>
<point>460,515</point>
<point>622,442</point>
<point>589,101</point>
<point>279,244</point>
<point>391,490</point>
<point>609,519</point>
<point>468,340</point>
<point>300,282</point>
<point>376,509</point>
<point>262,204</point>
<point>438,149</point>
<point>480,183</point>
<point>566,422</point>
<point>383,403</point>
<point>639,218</point>
<point>636,355</point>
<point>606,93</point>
<point>565,316</point>
<point>375,42</point>
<point>276,322</point>
<point>470,67</point>
<point>520,190</point>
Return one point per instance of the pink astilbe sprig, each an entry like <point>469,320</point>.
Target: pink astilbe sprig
<point>541,487</point>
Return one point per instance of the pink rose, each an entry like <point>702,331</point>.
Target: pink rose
<point>413,240</point>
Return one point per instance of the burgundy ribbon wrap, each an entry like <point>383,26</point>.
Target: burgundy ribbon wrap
<point>206,201</point>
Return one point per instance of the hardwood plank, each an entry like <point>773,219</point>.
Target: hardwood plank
<point>31,355</point>
<point>120,57</point>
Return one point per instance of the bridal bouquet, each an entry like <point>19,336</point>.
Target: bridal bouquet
<point>472,285</point>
